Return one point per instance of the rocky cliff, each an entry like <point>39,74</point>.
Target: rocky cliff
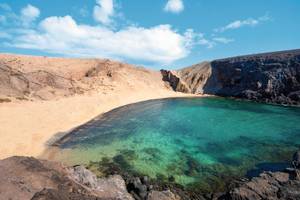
<point>269,77</point>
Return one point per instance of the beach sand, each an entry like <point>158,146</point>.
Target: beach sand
<point>27,124</point>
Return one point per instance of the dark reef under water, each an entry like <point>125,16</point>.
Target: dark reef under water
<point>199,145</point>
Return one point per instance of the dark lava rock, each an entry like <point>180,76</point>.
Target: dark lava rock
<point>137,188</point>
<point>269,77</point>
<point>269,185</point>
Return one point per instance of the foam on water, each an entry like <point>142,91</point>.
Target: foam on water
<point>196,142</point>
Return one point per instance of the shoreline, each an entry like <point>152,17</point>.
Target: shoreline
<point>55,139</point>
<point>30,127</point>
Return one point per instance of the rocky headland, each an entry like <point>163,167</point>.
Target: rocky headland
<point>270,77</point>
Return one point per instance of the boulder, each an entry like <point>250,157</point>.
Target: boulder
<point>137,188</point>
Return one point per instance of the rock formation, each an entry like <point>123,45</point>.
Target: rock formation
<point>28,178</point>
<point>175,82</point>
<point>269,185</point>
<point>270,77</point>
<point>23,178</point>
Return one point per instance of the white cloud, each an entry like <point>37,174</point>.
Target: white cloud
<point>29,14</point>
<point>241,23</point>
<point>223,40</point>
<point>174,6</point>
<point>103,11</point>
<point>62,35</point>
<point>159,44</point>
<point>200,39</point>
<point>205,42</point>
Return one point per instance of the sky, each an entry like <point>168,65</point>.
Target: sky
<point>153,33</point>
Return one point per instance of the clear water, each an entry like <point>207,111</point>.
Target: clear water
<point>195,142</point>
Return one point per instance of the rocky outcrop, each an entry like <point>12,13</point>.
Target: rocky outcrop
<point>270,77</point>
<point>275,186</point>
<point>175,82</point>
<point>23,178</point>
<point>270,185</point>
<point>195,76</point>
<point>29,178</point>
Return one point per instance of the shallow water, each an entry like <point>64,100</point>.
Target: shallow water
<point>199,143</point>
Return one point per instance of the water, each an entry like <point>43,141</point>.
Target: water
<point>200,143</point>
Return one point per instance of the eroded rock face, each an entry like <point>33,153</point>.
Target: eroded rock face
<point>196,76</point>
<point>175,82</point>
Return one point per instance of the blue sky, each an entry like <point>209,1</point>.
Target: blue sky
<point>154,33</point>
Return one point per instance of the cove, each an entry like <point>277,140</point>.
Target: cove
<point>199,143</point>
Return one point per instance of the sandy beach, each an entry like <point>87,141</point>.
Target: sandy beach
<point>26,127</point>
<point>49,96</point>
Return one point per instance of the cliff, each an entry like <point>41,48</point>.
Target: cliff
<point>269,77</point>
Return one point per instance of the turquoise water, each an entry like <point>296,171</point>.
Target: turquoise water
<point>200,143</point>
